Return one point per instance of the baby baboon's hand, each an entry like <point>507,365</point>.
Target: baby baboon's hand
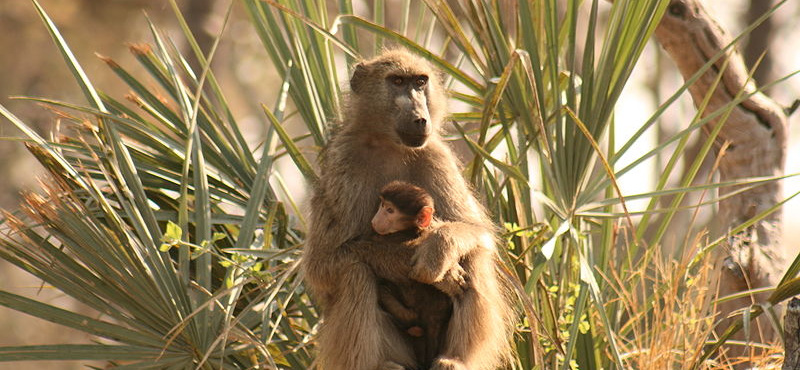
<point>453,283</point>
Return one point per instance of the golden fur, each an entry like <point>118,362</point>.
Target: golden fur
<point>364,154</point>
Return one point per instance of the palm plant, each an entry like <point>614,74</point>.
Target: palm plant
<point>127,185</point>
<point>163,219</point>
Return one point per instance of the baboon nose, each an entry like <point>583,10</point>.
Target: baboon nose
<point>421,122</point>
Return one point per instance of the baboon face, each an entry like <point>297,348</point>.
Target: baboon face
<point>401,92</point>
<point>408,92</point>
<point>389,219</point>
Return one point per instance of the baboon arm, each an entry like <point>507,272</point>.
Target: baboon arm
<point>446,245</point>
<point>388,260</point>
<point>325,253</point>
<point>322,271</point>
<point>395,307</point>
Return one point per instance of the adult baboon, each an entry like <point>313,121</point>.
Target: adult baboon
<point>390,132</point>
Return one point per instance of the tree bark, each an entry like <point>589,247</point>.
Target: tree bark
<point>759,40</point>
<point>752,143</point>
<point>791,328</point>
<point>197,14</point>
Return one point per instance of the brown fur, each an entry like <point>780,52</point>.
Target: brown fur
<point>403,207</point>
<point>420,309</point>
<point>366,153</point>
<point>423,312</point>
<point>409,199</point>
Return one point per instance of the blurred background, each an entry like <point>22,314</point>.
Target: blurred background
<point>31,66</point>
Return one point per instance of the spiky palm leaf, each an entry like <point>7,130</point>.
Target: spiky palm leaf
<point>128,184</point>
<point>162,218</point>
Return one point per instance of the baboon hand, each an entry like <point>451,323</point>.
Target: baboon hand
<point>453,283</point>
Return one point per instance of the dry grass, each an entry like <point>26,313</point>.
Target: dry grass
<point>671,315</point>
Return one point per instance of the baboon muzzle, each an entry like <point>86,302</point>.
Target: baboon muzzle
<point>414,132</point>
<point>414,123</point>
<point>413,141</point>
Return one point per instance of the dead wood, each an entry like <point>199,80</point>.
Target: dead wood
<point>752,143</point>
<point>791,328</point>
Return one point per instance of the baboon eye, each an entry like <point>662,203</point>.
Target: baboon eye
<point>421,81</point>
<point>677,9</point>
<point>397,80</point>
<point>389,210</point>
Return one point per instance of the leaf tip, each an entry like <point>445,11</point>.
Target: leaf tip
<point>140,48</point>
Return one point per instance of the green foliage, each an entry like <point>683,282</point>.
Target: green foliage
<point>162,218</point>
<point>148,220</point>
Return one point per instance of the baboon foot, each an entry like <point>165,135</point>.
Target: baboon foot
<point>445,363</point>
<point>390,365</point>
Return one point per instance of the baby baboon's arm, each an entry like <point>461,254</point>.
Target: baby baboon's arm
<point>389,260</point>
<point>441,252</point>
<point>453,283</point>
<point>462,225</point>
<point>395,307</point>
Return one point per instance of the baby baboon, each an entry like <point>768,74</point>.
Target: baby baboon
<point>408,210</point>
<point>419,309</point>
<point>390,131</point>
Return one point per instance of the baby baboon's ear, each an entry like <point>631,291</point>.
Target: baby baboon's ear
<point>424,217</point>
<point>360,73</point>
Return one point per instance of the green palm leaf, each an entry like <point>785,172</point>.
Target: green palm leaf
<point>184,240</point>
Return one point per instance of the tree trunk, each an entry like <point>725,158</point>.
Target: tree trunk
<point>752,143</point>
<point>791,327</point>
<point>758,42</point>
<point>197,14</point>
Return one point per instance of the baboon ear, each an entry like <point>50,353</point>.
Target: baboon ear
<point>359,77</point>
<point>424,217</point>
<point>442,75</point>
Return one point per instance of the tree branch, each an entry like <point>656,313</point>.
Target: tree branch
<point>756,134</point>
<point>791,328</point>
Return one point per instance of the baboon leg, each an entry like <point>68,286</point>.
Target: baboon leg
<point>395,347</point>
<point>356,334</point>
<point>477,332</point>
<point>466,334</point>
